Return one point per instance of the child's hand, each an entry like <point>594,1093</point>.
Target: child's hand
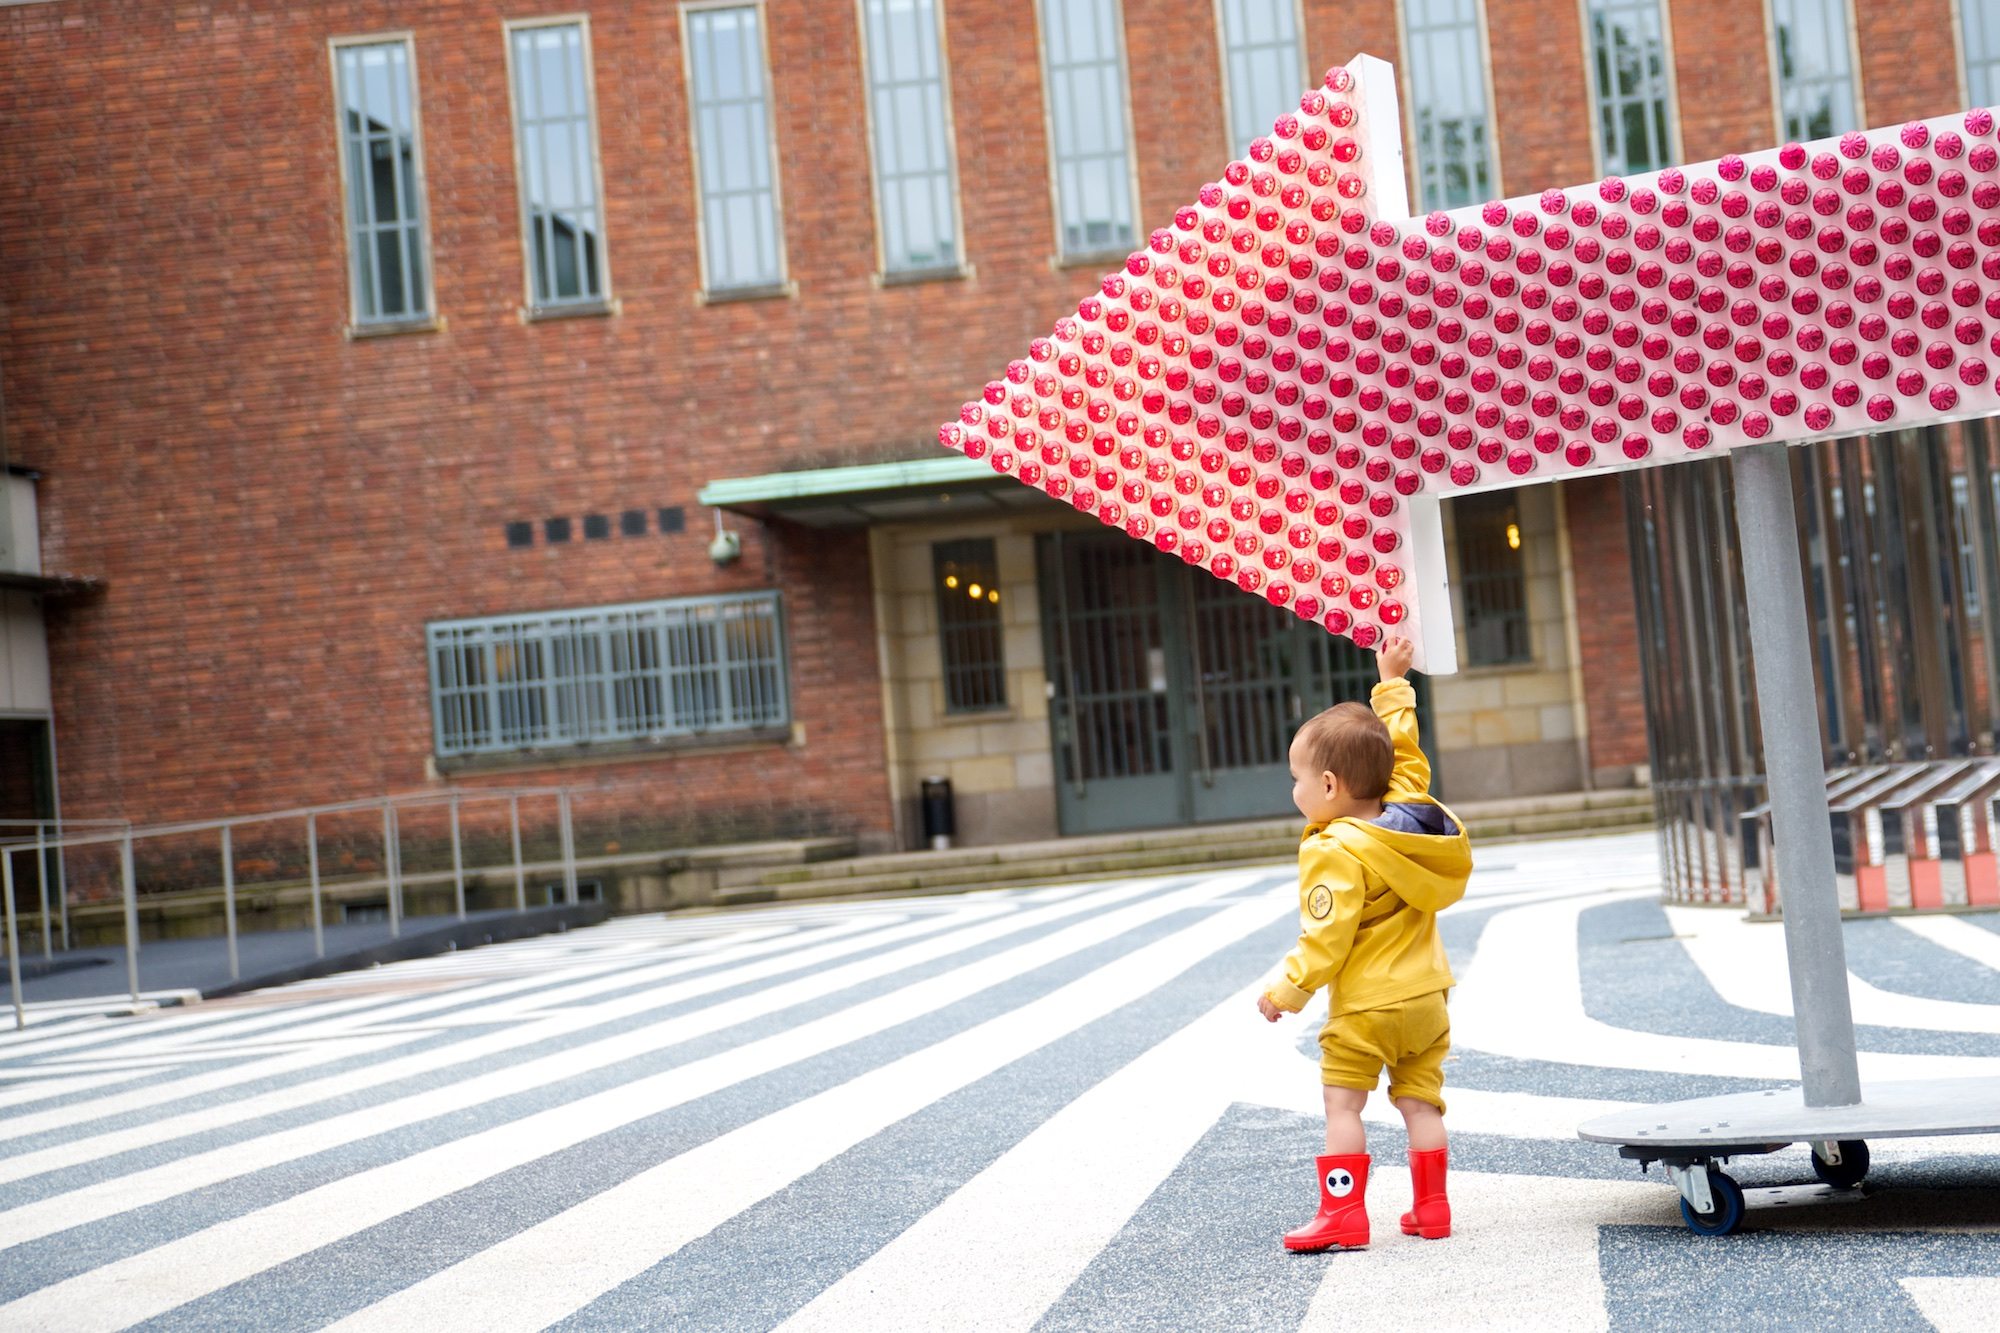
<point>1272,1013</point>
<point>1394,657</point>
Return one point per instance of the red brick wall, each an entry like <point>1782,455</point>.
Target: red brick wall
<point>278,510</point>
<point>1607,626</point>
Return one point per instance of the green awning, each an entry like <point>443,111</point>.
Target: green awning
<point>947,486</point>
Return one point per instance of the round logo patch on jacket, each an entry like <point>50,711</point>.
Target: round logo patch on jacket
<point>1320,903</point>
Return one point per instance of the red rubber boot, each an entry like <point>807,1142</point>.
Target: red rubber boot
<point>1343,1207</point>
<point>1431,1217</point>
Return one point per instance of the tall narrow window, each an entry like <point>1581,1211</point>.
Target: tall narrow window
<point>916,194</point>
<point>382,168</point>
<point>1492,580</point>
<point>1628,56</point>
<point>1814,58</point>
<point>1982,51</point>
<point>1083,68</point>
<point>968,602</point>
<point>1448,102</point>
<point>555,143</point>
<point>1263,65</point>
<point>742,248</point>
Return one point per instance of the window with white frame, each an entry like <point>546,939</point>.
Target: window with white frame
<point>1814,58</point>
<point>1981,31</point>
<point>382,171</point>
<point>916,193</point>
<point>691,667</point>
<point>1264,65</point>
<point>730,101</point>
<point>1447,74</point>
<point>1628,56</point>
<point>555,138</point>
<point>1090,135</point>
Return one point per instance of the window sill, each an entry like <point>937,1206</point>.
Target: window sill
<point>611,752</point>
<point>577,310</point>
<point>971,717</point>
<point>1472,672</point>
<point>730,295</point>
<point>393,328</point>
<point>912,277</point>
<point>1094,259</point>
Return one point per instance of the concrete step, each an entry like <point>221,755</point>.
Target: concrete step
<point>1263,842</point>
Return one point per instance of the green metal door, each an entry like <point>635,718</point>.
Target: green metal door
<point>1173,696</point>
<point>1111,702</point>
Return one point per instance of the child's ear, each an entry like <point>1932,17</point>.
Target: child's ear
<point>1331,781</point>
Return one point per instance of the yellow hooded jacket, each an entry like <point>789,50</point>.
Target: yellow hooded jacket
<point>1369,895</point>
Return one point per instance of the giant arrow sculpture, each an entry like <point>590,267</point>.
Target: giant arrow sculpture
<point>1281,384</point>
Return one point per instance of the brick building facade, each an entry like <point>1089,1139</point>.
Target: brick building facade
<point>281,497</point>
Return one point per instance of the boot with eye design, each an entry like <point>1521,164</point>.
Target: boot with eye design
<point>1342,1222</point>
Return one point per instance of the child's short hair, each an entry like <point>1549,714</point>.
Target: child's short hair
<point>1351,743</point>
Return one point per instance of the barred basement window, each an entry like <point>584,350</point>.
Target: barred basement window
<point>382,173</point>
<point>692,667</point>
<point>975,668</point>
<point>1492,581</point>
<point>1814,61</point>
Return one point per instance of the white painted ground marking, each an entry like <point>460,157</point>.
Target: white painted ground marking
<point>120,1194</point>
<point>148,1284</point>
<point>1956,1304</point>
<point>1961,937</point>
<point>541,1027</point>
<point>1523,997</point>
<point>1039,1214</point>
<point>1745,962</point>
<point>546,1272</point>
<point>1522,1254</point>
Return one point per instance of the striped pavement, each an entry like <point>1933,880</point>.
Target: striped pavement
<point>1035,1109</point>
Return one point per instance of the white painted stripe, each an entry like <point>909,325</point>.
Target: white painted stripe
<point>1523,997</point>
<point>148,1284</point>
<point>1088,1168</point>
<point>1956,1304</point>
<point>1745,962</point>
<point>1523,1254</point>
<point>563,1125</point>
<point>283,1099</point>
<point>547,1273</point>
<point>1961,937</point>
<point>41,1087</point>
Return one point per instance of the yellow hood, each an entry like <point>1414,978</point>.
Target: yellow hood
<point>1428,871</point>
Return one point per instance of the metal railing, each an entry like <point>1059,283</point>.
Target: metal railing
<point>59,836</point>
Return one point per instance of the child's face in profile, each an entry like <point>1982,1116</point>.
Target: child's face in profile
<point>1314,791</point>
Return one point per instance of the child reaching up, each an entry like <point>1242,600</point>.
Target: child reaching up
<point>1378,861</point>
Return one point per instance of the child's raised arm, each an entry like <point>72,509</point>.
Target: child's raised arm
<point>1395,702</point>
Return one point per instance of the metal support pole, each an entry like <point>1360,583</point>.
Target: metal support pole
<point>1801,828</point>
<point>229,898</point>
<point>13,943</point>
<point>62,885</point>
<point>568,850</point>
<point>312,870</point>
<point>457,861</point>
<point>390,855</point>
<point>520,871</point>
<point>42,892</point>
<point>131,892</point>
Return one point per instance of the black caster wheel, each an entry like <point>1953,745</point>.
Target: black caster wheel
<point>1728,1213</point>
<point>1850,1171</point>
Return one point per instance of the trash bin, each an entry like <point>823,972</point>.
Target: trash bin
<point>936,802</point>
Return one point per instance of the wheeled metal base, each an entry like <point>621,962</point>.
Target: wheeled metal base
<point>1690,1137</point>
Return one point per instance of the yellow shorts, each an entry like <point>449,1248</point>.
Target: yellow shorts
<point>1410,1038</point>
